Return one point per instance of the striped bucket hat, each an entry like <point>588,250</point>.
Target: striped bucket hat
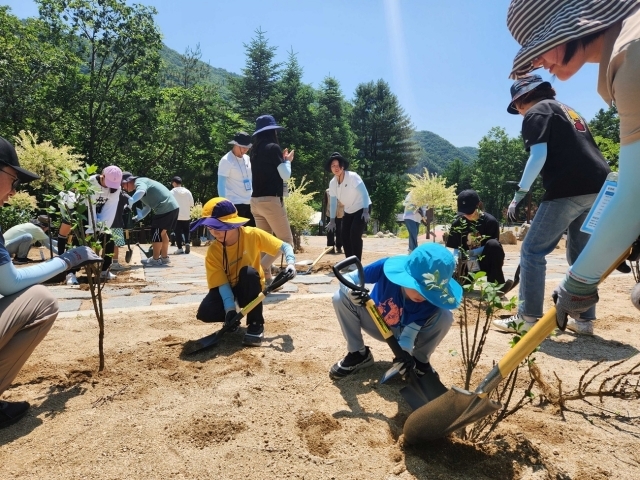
<point>540,25</point>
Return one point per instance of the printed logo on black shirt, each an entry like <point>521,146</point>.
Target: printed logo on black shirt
<point>574,117</point>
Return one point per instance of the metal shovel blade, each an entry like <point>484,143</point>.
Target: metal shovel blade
<point>421,390</point>
<point>447,413</point>
<point>194,346</point>
<point>393,371</point>
<point>127,256</point>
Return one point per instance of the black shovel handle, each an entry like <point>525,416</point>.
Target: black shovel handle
<point>347,262</point>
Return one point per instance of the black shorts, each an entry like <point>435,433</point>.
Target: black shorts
<point>164,221</point>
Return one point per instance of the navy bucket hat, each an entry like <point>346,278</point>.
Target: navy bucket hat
<point>266,122</point>
<point>219,214</point>
<point>524,85</point>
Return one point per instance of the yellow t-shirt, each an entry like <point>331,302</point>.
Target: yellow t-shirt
<point>245,252</point>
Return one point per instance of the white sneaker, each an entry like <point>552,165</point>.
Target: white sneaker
<point>165,260</point>
<point>116,267</point>
<point>71,279</point>
<point>513,324</point>
<point>581,327</point>
<point>151,262</point>
<point>107,275</point>
<point>179,251</point>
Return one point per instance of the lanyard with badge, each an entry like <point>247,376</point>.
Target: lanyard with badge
<point>245,175</point>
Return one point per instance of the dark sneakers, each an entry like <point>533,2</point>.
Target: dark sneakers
<point>187,248</point>
<point>11,412</point>
<point>21,261</point>
<point>424,368</point>
<point>254,335</point>
<point>354,361</point>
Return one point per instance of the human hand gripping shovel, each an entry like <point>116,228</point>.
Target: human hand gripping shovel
<point>457,407</point>
<point>194,346</point>
<point>304,263</point>
<point>418,388</point>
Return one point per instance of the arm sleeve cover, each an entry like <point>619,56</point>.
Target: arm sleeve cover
<point>284,169</point>
<point>144,212</point>
<point>288,253</point>
<point>227,297</point>
<point>137,196</point>
<point>366,201</point>
<point>14,280</point>
<point>333,206</point>
<point>222,186</point>
<point>537,157</point>
<point>408,337</point>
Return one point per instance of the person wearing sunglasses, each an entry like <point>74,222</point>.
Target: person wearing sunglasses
<point>27,310</point>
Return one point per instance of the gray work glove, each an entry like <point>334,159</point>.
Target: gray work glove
<point>331,226</point>
<point>571,304</point>
<point>512,211</point>
<point>80,256</point>
<point>365,215</point>
<point>292,269</point>
<point>357,297</point>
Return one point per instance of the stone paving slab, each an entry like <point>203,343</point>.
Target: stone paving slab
<point>69,293</point>
<point>140,300</point>
<point>289,288</point>
<point>186,299</point>
<point>322,289</point>
<point>120,292</point>
<point>167,288</point>
<point>69,305</point>
<point>311,279</point>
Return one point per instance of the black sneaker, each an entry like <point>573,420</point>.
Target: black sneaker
<point>352,362</point>
<point>424,368</point>
<point>339,250</point>
<point>507,287</point>
<point>11,412</point>
<point>187,248</point>
<point>254,335</point>
<point>21,261</point>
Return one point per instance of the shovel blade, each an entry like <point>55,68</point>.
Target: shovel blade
<point>447,413</point>
<point>194,346</point>
<point>422,390</point>
<point>392,372</point>
<point>127,256</point>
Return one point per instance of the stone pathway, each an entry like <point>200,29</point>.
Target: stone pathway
<point>184,281</point>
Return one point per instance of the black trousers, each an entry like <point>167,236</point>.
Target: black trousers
<point>492,260</point>
<point>247,289</point>
<point>334,237</point>
<point>244,210</point>
<point>182,232</point>
<point>352,230</point>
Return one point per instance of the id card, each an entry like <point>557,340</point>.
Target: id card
<point>604,197</point>
<point>247,184</point>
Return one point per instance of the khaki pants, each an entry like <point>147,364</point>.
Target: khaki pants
<point>25,319</point>
<point>271,217</point>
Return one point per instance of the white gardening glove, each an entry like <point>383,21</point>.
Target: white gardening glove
<point>331,226</point>
<point>365,215</point>
<point>512,211</point>
<point>291,268</point>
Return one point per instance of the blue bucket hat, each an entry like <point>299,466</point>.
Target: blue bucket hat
<point>522,86</point>
<point>429,270</point>
<point>266,122</point>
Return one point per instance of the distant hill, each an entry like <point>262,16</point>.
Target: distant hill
<point>173,65</point>
<point>437,153</point>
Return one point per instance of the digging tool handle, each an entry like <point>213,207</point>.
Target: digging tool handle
<point>382,326</point>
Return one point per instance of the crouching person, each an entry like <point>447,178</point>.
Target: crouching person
<point>233,266</point>
<point>414,294</point>
<point>27,310</point>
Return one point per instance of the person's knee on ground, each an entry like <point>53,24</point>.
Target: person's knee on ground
<point>211,308</point>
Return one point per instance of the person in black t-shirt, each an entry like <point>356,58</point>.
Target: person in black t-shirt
<point>271,169</point>
<point>573,170</point>
<point>474,237</point>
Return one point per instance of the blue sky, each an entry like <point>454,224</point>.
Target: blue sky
<point>447,61</point>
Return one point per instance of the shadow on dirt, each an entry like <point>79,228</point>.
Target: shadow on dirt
<point>593,348</point>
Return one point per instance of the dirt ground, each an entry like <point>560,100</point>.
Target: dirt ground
<point>273,412</point>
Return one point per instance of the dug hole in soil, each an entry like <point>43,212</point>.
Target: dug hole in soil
<point>272,412</point>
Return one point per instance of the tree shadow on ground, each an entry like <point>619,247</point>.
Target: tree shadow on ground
<point>592,348</point>
<point>55,401</point>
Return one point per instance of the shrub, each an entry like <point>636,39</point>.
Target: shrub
<point>299,210</point>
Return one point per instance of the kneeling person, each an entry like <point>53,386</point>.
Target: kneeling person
<point>233,266</point>
<point>418,313</point>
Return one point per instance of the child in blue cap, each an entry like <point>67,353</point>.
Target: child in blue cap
<point>414,294</point>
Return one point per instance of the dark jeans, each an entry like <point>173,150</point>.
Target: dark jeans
<point>337,233</point>
<point>182,232</point>
<point>492,260</point>
<point>247,289</point>
<point>244,210</point>
<point>352,230</point>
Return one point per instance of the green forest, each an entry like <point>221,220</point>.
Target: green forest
<point>95,76</point>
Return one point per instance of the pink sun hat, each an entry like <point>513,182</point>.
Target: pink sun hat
<point>112,176</point>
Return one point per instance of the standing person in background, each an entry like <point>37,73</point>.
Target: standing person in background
<point>185,201</point>
<point>271,170</point>
<point>562,150</point>
<point>157,198</point>
<point>234,176</point>
<point>562,36</point>
<point>348,188</point>
<point>334,237</point>
<point>27,310</point>
<point>412,217</point>
<point>117,230</point>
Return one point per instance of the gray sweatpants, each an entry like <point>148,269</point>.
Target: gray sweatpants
<point>25,319</point>
<point>354,319</point>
